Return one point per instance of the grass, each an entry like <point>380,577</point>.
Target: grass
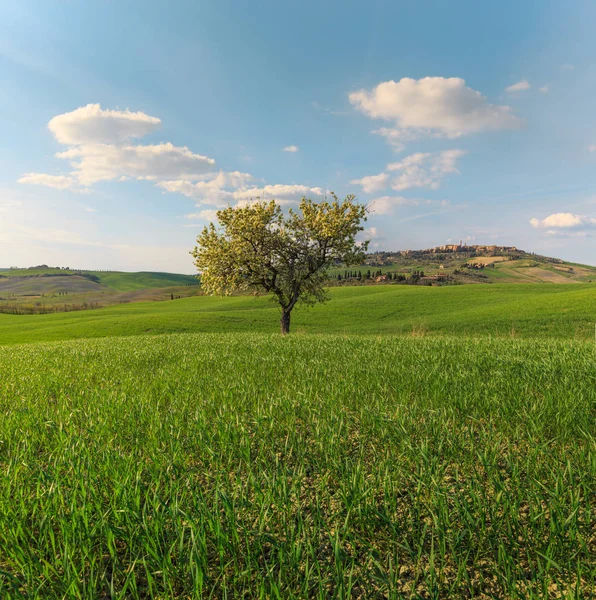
<point>117,280</point>
<point>248,465</point>
<point>407,442</point>
<point>527,310</point>
<point>40,286</point>
<point>125,282</point>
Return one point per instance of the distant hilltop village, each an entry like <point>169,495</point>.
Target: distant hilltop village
<point>453,253</point>
<point>462,247</point>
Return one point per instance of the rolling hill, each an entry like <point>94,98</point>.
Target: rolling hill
<point>40,278</point>
<point>523,310</point>
<point>480,264</point>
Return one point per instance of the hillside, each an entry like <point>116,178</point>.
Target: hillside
<point>524,310</point>
<point>43,289</point>
<point>44,284</point>
<point>477,264</point>
<point>116,280</point>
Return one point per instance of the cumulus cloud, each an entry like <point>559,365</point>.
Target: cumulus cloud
<point>103,162</point>
<point>372,183</point>
<point>92,125</point>
<point>419,170</point>
<point>284,194</point>
<point>217,190</point>
<point>436,106</point>
<point>100,148</point>
<point>592,148</point>
<point>564,221</point>
<point>232,188</point>
<point>520,86</point>
<point>545,89</point>
<point>59,182</point>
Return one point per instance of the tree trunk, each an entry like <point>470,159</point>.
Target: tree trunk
<point>285,322</point>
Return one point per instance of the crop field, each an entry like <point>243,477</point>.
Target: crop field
<point>116,280</point>
<point>521,310</point>
<point>251,465</point>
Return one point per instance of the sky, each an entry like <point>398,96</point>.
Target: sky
<point>125,126</point>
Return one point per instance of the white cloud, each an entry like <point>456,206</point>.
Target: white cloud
<point>203,215</point>
<point>90,209</point>
<point>59,182</point>
<point>386,205</point>
<point>100,149</point>
<point>568,67</point>
<point>233,189</point>
<point>217,191</point>
<point>424,170</point>
<point>396,138</point>
<point>520,86</point>
<point>372,183</point>
<point>545,89</point>
<point>592,148</point>
<point>284,194</point>
<point>103,162</point>
<point>419,170</point>
<point>92,125</point>
<point>563,221</point>
<point>567,233</point>
<point>432,106</point>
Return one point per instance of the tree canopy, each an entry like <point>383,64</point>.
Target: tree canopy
<point>257,247</point>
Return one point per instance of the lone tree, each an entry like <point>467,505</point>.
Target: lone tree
<point>257,248</point>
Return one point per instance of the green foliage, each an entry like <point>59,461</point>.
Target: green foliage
<point>186,467</point>
<point>258,248</point>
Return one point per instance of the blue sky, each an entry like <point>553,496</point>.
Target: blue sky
<point>124,126</point>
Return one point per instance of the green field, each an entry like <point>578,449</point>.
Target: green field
<point>405,442</point>
<point>528,310</point>
<point>117,280</point>
<point>243,465</point>
<point>43,291</point>
<point>125,282</point>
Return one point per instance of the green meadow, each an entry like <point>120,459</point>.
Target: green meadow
<point>117,280</point>
<point>527,310</point>
<point>404,442</point>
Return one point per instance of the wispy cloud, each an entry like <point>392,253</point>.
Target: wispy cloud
<point>520,86</point>
<point>419,170</point>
